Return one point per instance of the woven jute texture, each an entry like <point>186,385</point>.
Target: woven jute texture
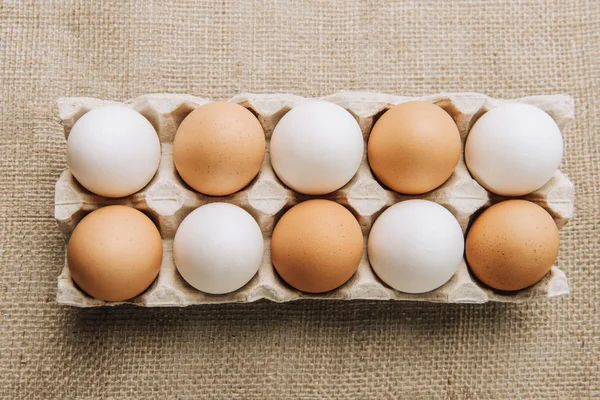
<point>548,349</point>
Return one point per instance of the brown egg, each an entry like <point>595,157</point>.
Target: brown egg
<point>114,253</point>
<point>512,245</point>
<point>414,147</point>
<point>219,148</point>
<point>316,246</point>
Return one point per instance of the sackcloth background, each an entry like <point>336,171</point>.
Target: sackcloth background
<point>548,349</point>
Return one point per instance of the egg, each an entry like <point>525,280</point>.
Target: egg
<point>317,246</point>
<point>415,246</point>
<point>316,148</point>
<point>218,248</point>
<point>514,149</point>
<point>219,148</point>
<point>414,147</point>
<point>512,245</point>
<point>114,253</point>
<point>113,151</point>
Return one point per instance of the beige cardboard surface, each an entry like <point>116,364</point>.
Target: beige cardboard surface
<point>548,348</point>
<point>168,200</point>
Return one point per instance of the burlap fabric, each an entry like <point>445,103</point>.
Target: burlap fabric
<point>308,349</point>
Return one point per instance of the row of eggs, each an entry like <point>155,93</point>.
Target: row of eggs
<point>316,148</point>
<point>414,246</point>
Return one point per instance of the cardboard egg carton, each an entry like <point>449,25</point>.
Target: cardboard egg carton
<point>167,200</point>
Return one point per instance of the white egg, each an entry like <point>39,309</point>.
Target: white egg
<point>415,246</point>
<point>514,149</point>
<point>218,248</point>
<point>113,151</point>
<point>316,148</point>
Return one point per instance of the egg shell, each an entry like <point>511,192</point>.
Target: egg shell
<point>316,147</point>
<point>316,246</point>
<point>512,245</point>
<point>414,147</point>
<point>168,200</point>
<point>219,148</point>
<point>115,253</point>
<point>514,149</point>
<point>415,246</point>
<point>113,151</point>
<point>218,248</point>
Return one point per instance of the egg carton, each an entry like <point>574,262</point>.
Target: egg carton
<point>167,200</point>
